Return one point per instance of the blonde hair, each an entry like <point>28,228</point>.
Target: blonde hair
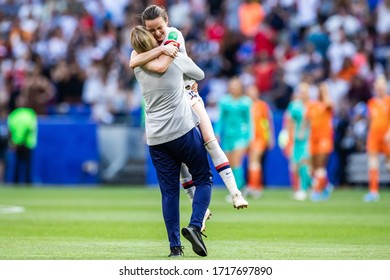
<point>142,40</point>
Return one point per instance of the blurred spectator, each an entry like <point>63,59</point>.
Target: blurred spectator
<point>10,7</point>
<point>36,91</point>
<point>246,52</point>
<point>337,91</point>
<point>232,16</point>
<point>68,23</point>
<point>360,59</point>
<point>264,39</point>
<point>342,20</point>
<point>344,145</point>
<point>251,14</point>
<point>359,92</point>
<point>57,46</point>
<point>215,29</point>
<point>315,66</point>
<point>116,11</point>
<point>29,26</point>
<point>199,10</point>
<point>247,76</point>
<point>359,126</point>
<point>102,92</point>
<point>205,53</point>
<point>69,81</point>
<point>319,38</point>
<point>277,17</point>
<point>306,15</point>
<point>107,38</point>
<point>179,13</point>
<point>263,70</point>
<point>18,40</point>
<point>372,69</point>
<point>383,18</point>
<point>215,6</point>
<point>339,49</point>
<point>216,89</point>
<point>284,51</point>
<point>294,67</point>
<point>281,92</point>
<point>382,51</point>
<point>229,49</point>
<point>348,70</point>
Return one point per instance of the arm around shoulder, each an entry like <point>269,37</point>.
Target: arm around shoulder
<point>159,65</point>
<point>140,59</point>
<point>189,68</point>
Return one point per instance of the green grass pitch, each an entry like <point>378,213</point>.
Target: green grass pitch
<point>118,223</point>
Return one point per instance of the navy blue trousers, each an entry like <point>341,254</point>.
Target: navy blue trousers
<point>167,159</point>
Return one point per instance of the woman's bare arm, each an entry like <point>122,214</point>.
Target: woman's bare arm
<point>138,60</point>
<point>157,65</point>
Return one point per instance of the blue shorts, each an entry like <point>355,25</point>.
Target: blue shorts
<point>189,149</point>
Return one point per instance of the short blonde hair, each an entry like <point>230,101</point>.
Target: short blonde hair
<point>142,40</point>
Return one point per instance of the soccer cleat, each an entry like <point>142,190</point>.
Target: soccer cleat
<point>371,197</point>
<point>253,193</point>
<point>239,202</point>
<point>206,217</point>
<point>176,251</point>
<point>300,195</point>
<point>194,236</point>
<point>316,196</point>
<point>327,191</point>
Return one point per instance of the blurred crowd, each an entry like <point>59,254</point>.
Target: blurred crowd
<point>71,56</point>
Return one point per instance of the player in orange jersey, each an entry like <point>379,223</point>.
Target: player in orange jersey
<point>320,114</point>
<point>262,140</point>
<point>378,138</point>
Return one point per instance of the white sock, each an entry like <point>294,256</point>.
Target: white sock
<point>222,165</point>
<point>186,181</point>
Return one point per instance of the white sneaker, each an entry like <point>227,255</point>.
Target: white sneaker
<point>300,195</point>
<point>229,198</point>
<point>239,202</point>
<point>253,193</point>
<point>206,217</point>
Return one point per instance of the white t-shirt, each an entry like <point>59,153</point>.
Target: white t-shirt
<point>307,12</point>
<point>383,20</point>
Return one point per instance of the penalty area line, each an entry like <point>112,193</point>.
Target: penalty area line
<point>8,209</point>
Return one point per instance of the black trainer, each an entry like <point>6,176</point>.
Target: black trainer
<point>195,237</point>
<point>176,251</point>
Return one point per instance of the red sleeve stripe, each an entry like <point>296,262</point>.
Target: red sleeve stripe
<point>188,184</point>
<point>222,166</point>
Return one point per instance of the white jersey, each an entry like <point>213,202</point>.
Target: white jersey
<point>175,35</point>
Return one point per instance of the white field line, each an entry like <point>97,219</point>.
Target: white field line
<point>9,209</point>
